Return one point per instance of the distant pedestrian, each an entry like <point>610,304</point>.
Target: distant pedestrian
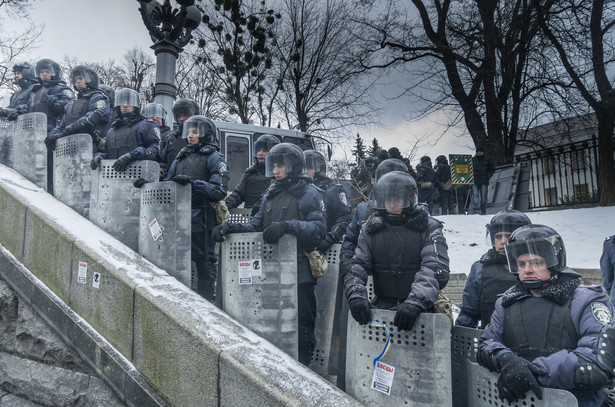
<point>483,170</point>
<point>427,182</point>
<point>445,186</point>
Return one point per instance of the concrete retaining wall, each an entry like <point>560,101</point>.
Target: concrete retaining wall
<point>188,349</point>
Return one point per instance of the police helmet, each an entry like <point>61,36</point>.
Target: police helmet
<point>130,97</point>
<point>394,152</point>
<point>425,159</point>
<point>265,142</point>
<point>540,240</point>
<point>208,134</point>
<point>388,165</point>
<point>26,69</point>
<point>369,162</point>
<point>108,90</point>
<point>185,106</point>
<point>287,154</point>
<point>441,160</point>
<point>51,66</point>
<point>506,221</point>
<point>314,160</point>
<point>155,110</point>
<point>89,76</point>
<point>395,186</point>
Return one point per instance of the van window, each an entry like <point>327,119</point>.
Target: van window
<point>303,143</point>
<point>238,158</point>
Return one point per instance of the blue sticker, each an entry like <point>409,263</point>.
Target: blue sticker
<point>601,313</point>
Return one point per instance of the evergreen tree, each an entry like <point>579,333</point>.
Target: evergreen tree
<point>375,148</point>
<point>359,149</point>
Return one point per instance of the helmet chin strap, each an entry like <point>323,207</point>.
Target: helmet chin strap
<point>538,284</point>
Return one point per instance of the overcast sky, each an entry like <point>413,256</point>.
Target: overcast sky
<point>94,30</point>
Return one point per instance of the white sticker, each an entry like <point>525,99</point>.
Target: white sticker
<point>383,378</point>
<point>155,229</point>
<point>96,280</point>
<point>245,272</point>
<point>83,272</point>
<point>257,267</point>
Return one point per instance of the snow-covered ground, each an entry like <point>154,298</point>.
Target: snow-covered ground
<point>583,231</point>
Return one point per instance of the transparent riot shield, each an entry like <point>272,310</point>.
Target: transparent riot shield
<point>326,290</point>
<point>6,143</point>
<point>464,347</point>
<point>259,286</point>
<point>483,392</point>
<point>414,371</point>
<point>29,150</point>
<point>165,227</point>
<point>72,175</point>
<point>115,202</point>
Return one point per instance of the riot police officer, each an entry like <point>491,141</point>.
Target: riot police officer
<point>254,182</point>
<point>405,251</point>
<point>547,330</point>
<point>131,137</point>
<point>337,210</point>
<point>89,113</point>
<point>20,100</point>
<point>156,113</point>
<point>173,142</point>
<point>201,165</point>
<point>490,276</point>
<point>292,204</point>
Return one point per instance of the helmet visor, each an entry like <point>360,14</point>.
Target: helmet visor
<point>392,196</point>
<point>279,160</point>
<point>544,248</point>
<point>84,74</point>
<point>127,97</point>
<point>154,110</point>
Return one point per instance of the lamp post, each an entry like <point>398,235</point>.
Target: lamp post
<point>170,29</point>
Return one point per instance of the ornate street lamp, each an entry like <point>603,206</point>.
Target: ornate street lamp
<point>170,29</point>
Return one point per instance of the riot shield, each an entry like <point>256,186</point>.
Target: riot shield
<point>464,346</point>
<point>414,370</point>
<point>326,290</point>
<point>115,202</point>
<point>6,143</point>
<point>483,392</point>
<point>259,286</point>
<point>72,176</point>
<point>165,226</point>
<point>29,150</point>
<point>240,215</point>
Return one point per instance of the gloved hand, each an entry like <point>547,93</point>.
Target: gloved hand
<point>360,310</point>
<point>121,163</point>
<point>517,376</point>
<point>406,316</point>
<point>140,182</point>
<point>325,244</point>
<point>220,231</point>
<point>52,99</point>
<point>4,112</point>
<point>181,179</point>
<point>13,115</point>
<point>95,162</point>
<point>255,209</point>
<point>50,141</point>
<point>274,232</point>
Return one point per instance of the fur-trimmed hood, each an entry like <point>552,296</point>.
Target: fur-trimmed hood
<point>417,220</point>
<point>295,185</point>
<point>559,291</point>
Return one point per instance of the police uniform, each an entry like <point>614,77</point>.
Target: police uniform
<point>337,211</point>
<point>489,277</point>
<point>135,135</point>
<point>607,266</point>
<point>170,146</point>
<point>90,113</point>
<point>565,331</point>
<point>50,98</point>
<point>296,201</point>
<point>250,189</point>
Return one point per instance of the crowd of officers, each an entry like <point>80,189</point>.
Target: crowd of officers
<point>541,327</point>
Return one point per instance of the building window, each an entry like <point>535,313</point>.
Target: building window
<point>581,192</point>
<point>549,165</point>
<point>551,196</point>
<point>578,160</point>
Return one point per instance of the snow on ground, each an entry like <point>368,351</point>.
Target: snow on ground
<point>583,231</point>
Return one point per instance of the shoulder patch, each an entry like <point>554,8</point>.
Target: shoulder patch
<point>343,198</point>
<point>157,132</point>
<point>601,313</point>
<point>222,167</point>
<point>322,206</point>
<point>68,92</point>
<point>100,104</point>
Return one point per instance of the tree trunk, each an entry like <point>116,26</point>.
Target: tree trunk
<point>606,168</point>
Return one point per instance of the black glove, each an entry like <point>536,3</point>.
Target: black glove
<point>325,244</point>
<point>5,112</point>
<point>181,179</point>
<point>50,141</point>
<point>121,163</point>
<point>360,310</point>
<point>255,209</point>
<point>95,162</point>
<point>406,316</point>
<point>220,231</point>
<point>274,232</point>
<point>517,376</point>
<point>13,115</point>
<point>140,182</point>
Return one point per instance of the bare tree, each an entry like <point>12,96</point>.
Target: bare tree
<point>582,33</point>
<point>325,90</point>
<point>138,67</point>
